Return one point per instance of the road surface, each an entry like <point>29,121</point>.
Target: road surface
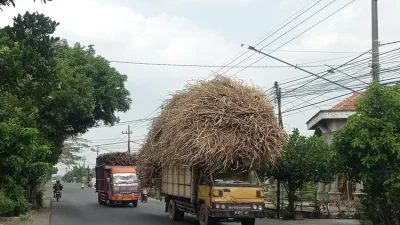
<point>80,207</point>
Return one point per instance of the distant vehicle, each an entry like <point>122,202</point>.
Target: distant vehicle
<point>117,184</point>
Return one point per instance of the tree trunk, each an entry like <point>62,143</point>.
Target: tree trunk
<point>33,193</point>
<point>292,201</point>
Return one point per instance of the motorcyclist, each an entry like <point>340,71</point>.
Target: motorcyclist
<point>144,192</point>
<point>57,187</point>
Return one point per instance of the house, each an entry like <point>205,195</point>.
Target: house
<point>324,124</point>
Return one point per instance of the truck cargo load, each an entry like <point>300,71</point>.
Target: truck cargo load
<point>204,147</point>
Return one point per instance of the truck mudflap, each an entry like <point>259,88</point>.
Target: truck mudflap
<point>236,214</point>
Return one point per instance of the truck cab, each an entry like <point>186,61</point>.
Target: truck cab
<point>230,196</point>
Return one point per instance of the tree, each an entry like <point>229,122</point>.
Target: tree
<point>12,2</point>
<point>71,148</point>
<point>77,173</point>
<point>369,147</point>
<point>305,159</point>
<point>49,92</point>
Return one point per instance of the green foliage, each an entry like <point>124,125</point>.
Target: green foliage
<point>50,92</point>
<point>17,195</point>
<point>369,147</point>
<point>305,160</point>
<point>12,3</point>
<point>77,172</point>
<point>6,205</point>
<point>71,148</point>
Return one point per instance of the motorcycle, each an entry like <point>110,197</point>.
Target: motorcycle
<point>82,186</point>
<point>144,197</point>
<point>58,194</point>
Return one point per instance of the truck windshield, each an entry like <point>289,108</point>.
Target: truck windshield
<point>236,178</point>
<point>124,178</point>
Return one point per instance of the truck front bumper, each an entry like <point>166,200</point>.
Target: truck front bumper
<point>236,214</point>
<point>125,199</point>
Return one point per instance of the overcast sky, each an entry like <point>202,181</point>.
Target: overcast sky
<point>209,32</point>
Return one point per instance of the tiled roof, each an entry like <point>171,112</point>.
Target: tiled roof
<point>348,103</point>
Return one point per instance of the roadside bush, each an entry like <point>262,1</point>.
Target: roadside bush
<point>17,195</point>
<point>39,199</point>
<point>6,205</point>
<point>151,193</point>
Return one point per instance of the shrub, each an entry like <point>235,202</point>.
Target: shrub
<point>6,205</point>
<point>17,195</point>
<point>39,199</point>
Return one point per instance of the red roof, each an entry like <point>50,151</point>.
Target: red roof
<point>348,103</point>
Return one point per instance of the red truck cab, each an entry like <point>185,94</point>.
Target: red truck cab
<point>117,184</point>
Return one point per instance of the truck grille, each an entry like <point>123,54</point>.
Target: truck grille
<point>239,207</point>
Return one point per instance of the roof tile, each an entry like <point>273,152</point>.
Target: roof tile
<point>348,103</point>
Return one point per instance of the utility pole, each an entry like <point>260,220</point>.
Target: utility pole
<point>375,41</point>
<point>88,172</point>
<point>278,185</point>
<point>129,132</point>
<point>96,150</point>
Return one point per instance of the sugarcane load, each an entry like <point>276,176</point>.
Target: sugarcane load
<point>211,137</point>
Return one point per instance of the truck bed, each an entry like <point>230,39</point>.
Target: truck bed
<point>177,181</point>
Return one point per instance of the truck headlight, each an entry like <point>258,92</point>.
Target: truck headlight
<point>222,206</point>
<point>255,207</point>
<point>260,207</point>
<point>217,206</point>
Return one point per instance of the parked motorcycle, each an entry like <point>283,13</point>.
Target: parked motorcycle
<point>58,194</point>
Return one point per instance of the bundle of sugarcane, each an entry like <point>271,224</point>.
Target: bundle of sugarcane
<point>216,125</point>
<point>116,159</point>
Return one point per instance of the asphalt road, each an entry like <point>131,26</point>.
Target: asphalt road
<point>80,207</point>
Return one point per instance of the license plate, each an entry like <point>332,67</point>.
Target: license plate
<point>241,213</point>
<point>126,199</point>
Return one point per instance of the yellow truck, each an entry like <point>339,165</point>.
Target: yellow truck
<point>231,196</point>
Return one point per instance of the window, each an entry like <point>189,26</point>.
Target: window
<point>236,178</point>
<point>124,178</point>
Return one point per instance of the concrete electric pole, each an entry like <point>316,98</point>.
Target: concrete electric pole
<point>375,41</point>
<point>278,185</point>
<point>96,150</point>
<point>129,132</point>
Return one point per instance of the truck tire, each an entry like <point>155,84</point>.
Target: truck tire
<point>204,218</point>
<point>173,212</point>
<point>135,203</point>
<point>248,221</point>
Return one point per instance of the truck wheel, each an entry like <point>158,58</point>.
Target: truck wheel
<point>173,212</point>
<point>248,221</point>
<point>204,218</point>
<point>134,203</point>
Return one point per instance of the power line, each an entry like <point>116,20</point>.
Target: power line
<point>303,21</point>
<point>300,33</point>
<point>126,122</point>
<point>259,41</point>
<point>218,66</point>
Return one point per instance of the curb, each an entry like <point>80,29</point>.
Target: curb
<point>16,217</point>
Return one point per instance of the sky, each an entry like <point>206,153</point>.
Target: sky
<point>210,32</point>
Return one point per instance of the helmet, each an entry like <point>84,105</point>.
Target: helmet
<point>58,181</point>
